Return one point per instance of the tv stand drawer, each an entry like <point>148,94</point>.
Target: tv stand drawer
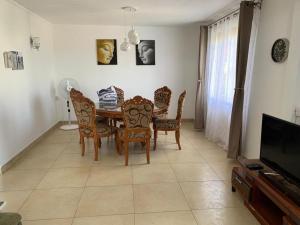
<point>239,183</point>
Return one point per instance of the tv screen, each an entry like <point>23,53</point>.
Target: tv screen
<point>280,147</point>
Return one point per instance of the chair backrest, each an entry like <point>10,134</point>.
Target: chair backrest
<point>162,97</point>
<point>137,112</point>
<point>74,93</point>
<point>120,95</point>
<point>180,105</point>
<point>85,111</point>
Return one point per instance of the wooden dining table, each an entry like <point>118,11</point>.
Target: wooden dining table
<point>116,112</point>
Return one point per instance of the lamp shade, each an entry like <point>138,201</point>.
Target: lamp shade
<point>125,46</point>
<point>133,36</point>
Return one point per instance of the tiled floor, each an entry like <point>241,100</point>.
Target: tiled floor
<point>54,185</point>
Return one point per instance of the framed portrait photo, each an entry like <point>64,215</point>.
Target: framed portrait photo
<point>106,51</point>
<point>145,52</point>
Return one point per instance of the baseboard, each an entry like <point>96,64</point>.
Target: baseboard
<point>64,122</point>
<point>13,160</point>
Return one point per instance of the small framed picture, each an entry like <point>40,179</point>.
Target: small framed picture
<point>13,60</point>
<point>107,52</point>
<point>145,52</point>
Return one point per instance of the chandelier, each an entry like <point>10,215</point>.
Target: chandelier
<point>133,36</point>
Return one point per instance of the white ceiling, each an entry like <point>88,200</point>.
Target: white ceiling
<point>108,12</point>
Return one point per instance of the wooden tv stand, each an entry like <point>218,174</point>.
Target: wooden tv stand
<point>269,205</point>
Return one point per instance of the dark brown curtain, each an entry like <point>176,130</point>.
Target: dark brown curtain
<point>244,34</point>
<point>200,94</point>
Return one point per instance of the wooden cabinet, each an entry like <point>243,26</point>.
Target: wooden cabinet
<point>266,202</point>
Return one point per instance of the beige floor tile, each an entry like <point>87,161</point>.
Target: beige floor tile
<point>105,220</point>
<point>156,157</point>
<point>158,173</point>
<point>13,200</point>
<point>110,197</point>
<point>47,150</point>
<point>158,198</point>
<point>223,169</point>
<point>112,159</point>
<point>202,143</point>
<point>214,155</point>
<point>73,160</point>
<point>51,204</point>
<point>75,148</point>
<point>194,172</point>
<point>167,218</point>
<point>35,161</point>
<point>64,132</point>
<point>209,194</point>
<point>225,216</point>
<point>21,179</point>
<point>181,156</point>
<point>48,222</point>
<point>65,177</point>
<point>173,146</point>
<point>56,139</point>
<point>106,201</point>
<point>110,175</point>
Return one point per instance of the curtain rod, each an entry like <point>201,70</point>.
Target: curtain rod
<point>223,17</point>
<point>257,3</point>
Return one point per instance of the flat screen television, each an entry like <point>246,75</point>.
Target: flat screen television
<point>280,147</point>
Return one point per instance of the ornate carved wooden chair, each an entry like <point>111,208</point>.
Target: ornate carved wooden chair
<point>120,96</point>
<point>85,111</point>
<point>162,97</point>
<point>74,93</point>
<point>137,116</point>
<point>120,101</point>
<point>170,124</point>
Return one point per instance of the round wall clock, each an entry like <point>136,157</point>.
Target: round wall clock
<point>280,50</point>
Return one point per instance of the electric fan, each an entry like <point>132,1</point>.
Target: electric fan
<point>64,88</point>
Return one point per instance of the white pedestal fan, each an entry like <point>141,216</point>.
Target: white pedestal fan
<point>64,88</point>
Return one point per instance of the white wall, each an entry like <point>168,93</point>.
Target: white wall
<point>275,87</point>
<point>26,96</point>
<point>176,62</point>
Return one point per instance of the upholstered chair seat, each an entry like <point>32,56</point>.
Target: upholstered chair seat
<point>162,97</point>
<point>170,124</point>
<point>137,116</point>
<point>131,135</point>
<point>166,124</point>
<point>89,127</point>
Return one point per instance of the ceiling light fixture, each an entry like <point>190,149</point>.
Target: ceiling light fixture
<point>125,45</point>
<point>133,36</point>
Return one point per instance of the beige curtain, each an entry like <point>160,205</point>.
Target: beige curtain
<point>200,95</point>
<point>244,34</point>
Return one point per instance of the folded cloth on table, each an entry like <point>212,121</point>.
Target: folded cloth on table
<point>108,96</point>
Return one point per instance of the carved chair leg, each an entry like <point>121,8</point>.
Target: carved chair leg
<point>166,132</point>
<point>155,139</point>
<point>148,150</point>
<point>82,145</point>
<point>117,139</point>
<point>96,147</point>
<point>126,152</point>
<point>99,142</point>
<point>177,136</point>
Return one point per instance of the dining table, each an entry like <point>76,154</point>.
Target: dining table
<point>116,112</point>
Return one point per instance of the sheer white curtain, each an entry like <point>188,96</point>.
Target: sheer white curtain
<point>220,78</point>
